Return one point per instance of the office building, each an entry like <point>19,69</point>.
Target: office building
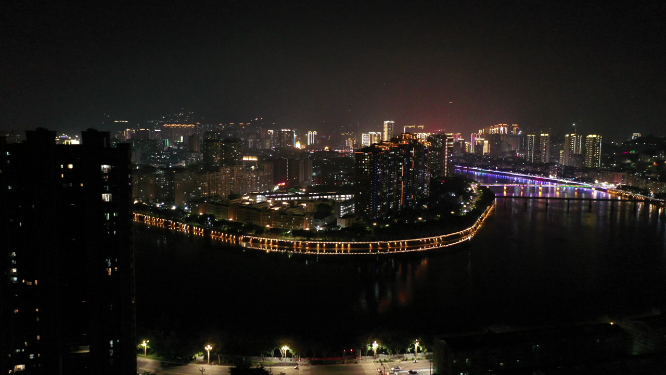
<point>593,151</point>
<point>67,298</point>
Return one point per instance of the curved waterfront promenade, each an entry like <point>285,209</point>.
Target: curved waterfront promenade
<point>324,247</point>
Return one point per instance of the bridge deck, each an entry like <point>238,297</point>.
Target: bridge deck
<point>571,198</point>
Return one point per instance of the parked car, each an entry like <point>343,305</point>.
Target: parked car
<point>396,368</point>
<point>412,372</point>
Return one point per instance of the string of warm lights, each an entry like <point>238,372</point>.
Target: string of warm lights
<point>325,247</point>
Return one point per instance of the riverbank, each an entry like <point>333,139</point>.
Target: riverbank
<point>324,247</point>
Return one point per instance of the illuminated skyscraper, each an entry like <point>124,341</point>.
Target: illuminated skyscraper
<point>388,130</point>
<point>544,147</point>
<point>412,128</point>
<point>312,135</point>
<point>593,151</point>
<point>474,141</point>
<point>370,138</point>
<point>573,147</point>
<point>531,148</point>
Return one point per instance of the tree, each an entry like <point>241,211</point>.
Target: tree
<point>323,210</point>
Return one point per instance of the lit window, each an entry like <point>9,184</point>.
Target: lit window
<point>70,166</point>
<point>32,356</point>
<point>106,168</point>
<point>106,197</point>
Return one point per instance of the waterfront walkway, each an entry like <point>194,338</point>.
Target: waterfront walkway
<point>324,247</point>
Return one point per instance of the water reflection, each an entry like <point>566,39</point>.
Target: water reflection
<point>535,261</point>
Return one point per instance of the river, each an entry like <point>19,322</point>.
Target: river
<point>533,263</point>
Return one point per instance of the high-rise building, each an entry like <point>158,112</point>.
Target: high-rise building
<point>388,130</point>
<point>67,291</point>
<point>312,136</point>
<point>439,153</point>
<point>218,153</point>
<point>593,151</point>
<point>413,128</point>
<point>635,135</point>
<point>544,147</point>
<point>478,144</point>
<point>504,129</point>
<point>573,146</point>
<point>531,148</point>
<point>285,138</point>
<point>371,138</point>
<point>391,176</point>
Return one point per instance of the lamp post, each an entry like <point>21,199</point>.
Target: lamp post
<point>284,349</point>
<point>416,348</point>
<point>374,347</point>
<point>145,347</point>
<point>208,348</point>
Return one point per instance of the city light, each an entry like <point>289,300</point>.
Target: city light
<point>208,349</point>
<point>145,347</point>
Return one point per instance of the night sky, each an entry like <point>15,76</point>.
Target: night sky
<point>457,66</point>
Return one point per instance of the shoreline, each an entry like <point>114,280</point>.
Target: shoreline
<point>314,247</point>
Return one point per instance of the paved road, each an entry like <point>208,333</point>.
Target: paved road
<point>363,368</point>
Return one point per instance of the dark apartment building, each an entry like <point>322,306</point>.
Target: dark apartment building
<point>67,286</point>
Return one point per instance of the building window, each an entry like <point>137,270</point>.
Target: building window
<point>106,168</point>
<point>70,166</point>
<point>106,197</point>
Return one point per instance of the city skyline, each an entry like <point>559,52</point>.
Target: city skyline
<point>456,67</point>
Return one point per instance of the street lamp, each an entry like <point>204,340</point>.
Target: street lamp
<point>416,348</point>
<point>145,347</point>
<point>284,349</point>
<point>374,347</point>
<point>208,348</point>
